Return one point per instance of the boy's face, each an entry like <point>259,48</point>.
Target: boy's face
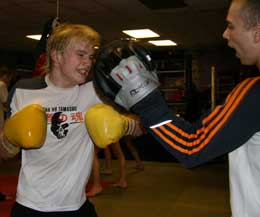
<point>74,63</point>
<point>239,37</point>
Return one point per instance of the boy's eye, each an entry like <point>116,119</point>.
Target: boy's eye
<point>81,54</point>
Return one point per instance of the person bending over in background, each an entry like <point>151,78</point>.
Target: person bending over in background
<point>115,147</point>
<point>6,76</point>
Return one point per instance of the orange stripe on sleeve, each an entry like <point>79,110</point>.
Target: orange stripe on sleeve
<point>157,132</point>
<point>214,126</point>
<point>232,97</point>
<point>219,109</point>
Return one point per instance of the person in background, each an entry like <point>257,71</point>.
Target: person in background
<point>96,187</point>
<point>107,170</point>
<point>119,154</point>
<point>232,128</point>
<point>128,140</point>
<point>115,147</point>
<point>6,76</point>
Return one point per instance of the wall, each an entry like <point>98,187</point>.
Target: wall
<point>20,61</point>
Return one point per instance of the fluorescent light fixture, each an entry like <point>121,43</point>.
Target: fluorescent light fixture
<point>163,43</point>
<point>141,33</point>
<point>35,37</point>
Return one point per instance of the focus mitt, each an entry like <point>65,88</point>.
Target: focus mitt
<point>124,72</point>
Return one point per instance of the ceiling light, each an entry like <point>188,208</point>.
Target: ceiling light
<point>163,43</point>
<point>35,37</point>
<point>141,33</point>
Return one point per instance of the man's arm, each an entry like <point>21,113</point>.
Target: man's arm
<point>216,133</point>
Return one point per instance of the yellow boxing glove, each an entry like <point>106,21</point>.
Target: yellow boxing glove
<point>105,125</point>
<point>26,128</point>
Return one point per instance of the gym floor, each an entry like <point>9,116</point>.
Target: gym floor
<point>162,189</point>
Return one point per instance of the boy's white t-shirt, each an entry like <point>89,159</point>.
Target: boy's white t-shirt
<point>54,177</point>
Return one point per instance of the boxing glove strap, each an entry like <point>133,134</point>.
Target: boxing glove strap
<point>131,126</point>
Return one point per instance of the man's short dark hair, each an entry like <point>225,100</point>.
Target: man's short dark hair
<point>250,12</point>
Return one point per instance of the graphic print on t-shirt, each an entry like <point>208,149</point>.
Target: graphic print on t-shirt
<point>58,127</point>
<point>60,119</point>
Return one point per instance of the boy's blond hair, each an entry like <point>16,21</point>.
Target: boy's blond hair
<point>62,35</point>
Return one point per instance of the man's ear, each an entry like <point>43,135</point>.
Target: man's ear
<point>257,33</point>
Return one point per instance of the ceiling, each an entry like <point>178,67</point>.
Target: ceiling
<point>198,24</point>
